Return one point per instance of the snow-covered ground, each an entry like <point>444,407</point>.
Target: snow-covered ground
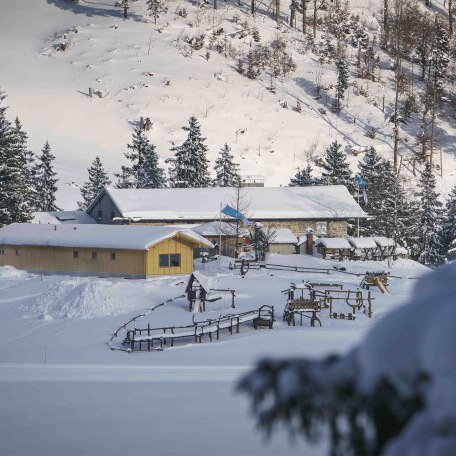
<point>65,392</point>
<point>131,61</point>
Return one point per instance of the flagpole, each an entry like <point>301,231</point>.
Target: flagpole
<point>358,205</point>
<point>220,235</point>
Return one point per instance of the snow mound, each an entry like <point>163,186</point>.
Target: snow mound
<point>10,272</point>
<point>80,298</point>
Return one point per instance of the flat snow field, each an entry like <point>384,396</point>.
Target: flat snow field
<point>64,392</point>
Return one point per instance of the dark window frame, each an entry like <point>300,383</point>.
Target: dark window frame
<point>162,256</point>
<point>100,214</point>
<point>75,254</point>
<point>18,252</point>
<point>178,265</point>
<point>113,214</point>
<point>113,256</point>
<point>94,256</point>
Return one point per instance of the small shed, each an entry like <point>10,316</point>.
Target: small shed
<point>365,247</point>
<point>400,252</point>
<point>385,246</point>
<point>335,248</point>
<point>283,241</point>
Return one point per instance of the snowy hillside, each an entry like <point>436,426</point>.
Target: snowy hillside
<point>143,69</point>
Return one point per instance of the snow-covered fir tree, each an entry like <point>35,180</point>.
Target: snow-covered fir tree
<point>144,171</point>
<point>189,166</point>
<point>14,189</point>
<point>336,169</point>
<point>342,84</point>
<point>98,178</point>
<point>226,170</point>
<point>45,181</point>
<point>449,223</point>
<point>155,8</point>
<point>430,222</point>
<point>21,138</point>
<point>303,178</point>
<point>441,55</point>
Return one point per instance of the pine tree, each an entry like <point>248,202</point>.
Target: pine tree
<point>441,54</point>
<point>189,164</point>
<point>45,181</point>
<point>336,169</point>
<point>14,189</point>
<point>449,223</point>
<point>150,175</point>
<point>430,222</point>
<point>227,171</point>
<point>342,83</point>
<point>303,178</point>
<point>155,8</point>
<point>98,179</point>
<point>144,171</point>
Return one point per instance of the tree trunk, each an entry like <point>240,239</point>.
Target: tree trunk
<point>396,114</point>
<point>277,3</point>
<point>450,15</point>
<point>315,19</point>
<point>125,11</point>
<point>215,4</point>
<point>292,18</point>
<point>252,7</point>
<point>386,21</point>
<point>304,13</point>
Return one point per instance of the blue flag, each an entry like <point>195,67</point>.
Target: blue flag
<point>363,186</point>
<point>233,213</point>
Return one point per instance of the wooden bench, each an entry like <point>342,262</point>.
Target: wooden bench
<point>307,308</point>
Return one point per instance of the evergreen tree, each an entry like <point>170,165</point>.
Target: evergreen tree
<point>303,178</point>
<point>189,164</point>
<point>14,190</point>
<point>98,179</point>
<point>227,171</point>
<point>441,54</point>
<point>336,169</point>
<point>449,223</point>
<point>155,8</point>
<point>144,171</point>
<point>342,83</point>
<point>430,222</point>
<point>45,181</point>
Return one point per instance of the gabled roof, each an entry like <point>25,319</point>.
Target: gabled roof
<point>323,202</point>
<point>334,243</point>
<point>94,236</point>
<point>219,229</point>
<point>363,242</point>
<point>284,236</point>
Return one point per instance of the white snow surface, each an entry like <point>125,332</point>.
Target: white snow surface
<point>333,243</point>
<point>57,217</point>
<point>96,236</point>
<point>284,236</point>
<point>318,202</point>
<point>179,401</point>
<point>384,241</point>
<point>362,242</point>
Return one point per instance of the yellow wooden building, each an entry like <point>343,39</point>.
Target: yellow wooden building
<point>104,250</point>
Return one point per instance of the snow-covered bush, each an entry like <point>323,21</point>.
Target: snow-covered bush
<point>393,394</point>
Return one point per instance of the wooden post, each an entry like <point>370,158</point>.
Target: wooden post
<point>90,92</point>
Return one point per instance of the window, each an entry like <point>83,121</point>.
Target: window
<point>322,228</point>
<point>174,260</point>
<point>100,214</point>
<point>75,254</point>
<point>164,261</point>
<point>113,214</point>
<point>18,252</point>
<point>2,252</point>
<point>113,256</point>
<point>94,255</point>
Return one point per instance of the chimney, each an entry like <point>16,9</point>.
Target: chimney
<point>309,241</point>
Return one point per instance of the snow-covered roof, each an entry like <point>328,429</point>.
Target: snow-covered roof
<point>284,236</point>
<point>93,236</point>
<point>334,243</point>
<point>216,229</point>
<point>362,242</point>
<point>58,217</point>
<point>265,203</point>
<point>384,241</point>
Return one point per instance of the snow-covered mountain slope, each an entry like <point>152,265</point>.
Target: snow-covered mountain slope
<point>148,70</point>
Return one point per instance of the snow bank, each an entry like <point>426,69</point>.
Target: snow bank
<point>10,272</point>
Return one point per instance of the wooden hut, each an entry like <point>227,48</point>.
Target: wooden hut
<point>107,250</point>
<point>283,241</point>
<point>335,248</point>
<point>386,247</point>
